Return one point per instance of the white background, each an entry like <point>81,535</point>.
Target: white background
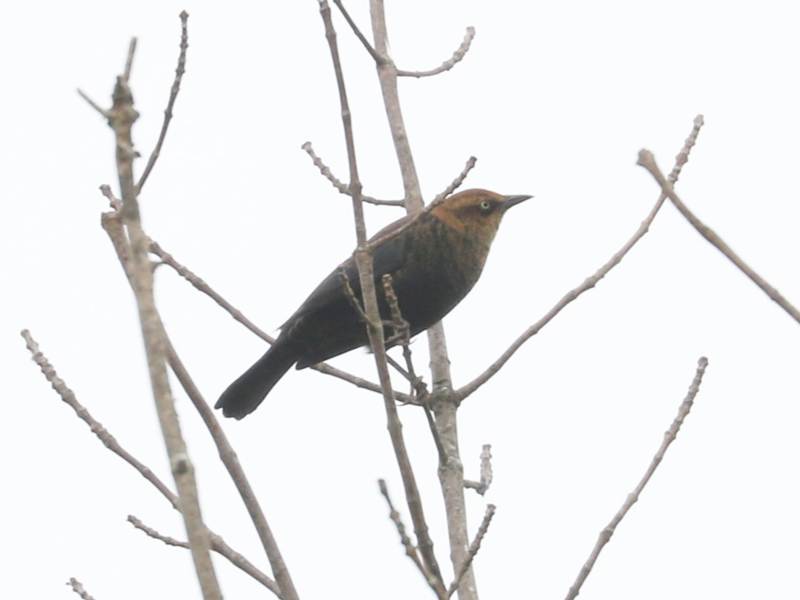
<point>555,100</point>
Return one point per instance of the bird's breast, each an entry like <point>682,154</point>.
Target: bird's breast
<point>441,266</point>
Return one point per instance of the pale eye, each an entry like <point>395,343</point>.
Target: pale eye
<point>485,206</point>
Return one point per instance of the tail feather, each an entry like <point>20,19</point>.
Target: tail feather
<point>245,394</point>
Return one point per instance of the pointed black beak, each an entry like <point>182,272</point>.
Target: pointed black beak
<point>514,200</point>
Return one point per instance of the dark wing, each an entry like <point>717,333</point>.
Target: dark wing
<point>387,258</point>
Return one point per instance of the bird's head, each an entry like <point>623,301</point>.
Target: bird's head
<point>475,213</point>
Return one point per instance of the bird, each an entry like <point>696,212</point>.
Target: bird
<point>435,257</point>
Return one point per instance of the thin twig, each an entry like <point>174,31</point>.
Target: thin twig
<point>458,56</point>
<point>647,160</point>
<point>482,486</point>
<point>169,541</point>
<point>203,287</point>
<point>398,367</point>
<point>77,587</point>
<point>234,467</point>
<point>589,283</point>
<point>401,334</point>
<point>363,259</point>
<point>350,295</point>
<point>68,396</point>
<point>176,86</point>
<point>473,548</point>
<point>437,439</point>
<point>399,324</point>
<point>93,104</point>
<point>328,174</point>
<point>406,399</point>
<point>375,56</point>
<point>456,182</point>
<point>116,203</point>
<point>110,442</point>
<point>359,382</point>
<point>126,74</point>
<point>411,550</point>
<point>669,437</point>
<point>221,547</point>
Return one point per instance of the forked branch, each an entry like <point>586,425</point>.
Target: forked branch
<point>647,160</point>
<point>68,396</point>
<point>592,281</point>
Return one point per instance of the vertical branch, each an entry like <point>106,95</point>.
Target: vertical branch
<point>121,118</point>
<point>363,258</point>
<point>387,75</point>
<point>443,400</point>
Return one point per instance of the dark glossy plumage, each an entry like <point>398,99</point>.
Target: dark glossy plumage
<point>434,263</point>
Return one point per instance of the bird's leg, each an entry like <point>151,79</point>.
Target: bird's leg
<point>351,297</point>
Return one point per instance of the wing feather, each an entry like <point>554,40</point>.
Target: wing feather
<point>387,258</point>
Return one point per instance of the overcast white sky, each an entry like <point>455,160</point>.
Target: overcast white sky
<point>555,100</point>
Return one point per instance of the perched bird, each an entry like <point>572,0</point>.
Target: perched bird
<point>434,262</point>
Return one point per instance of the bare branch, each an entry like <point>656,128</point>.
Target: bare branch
<point>155,535</point>
<point>401,335</point>
<point>136,263</point>
<point>458,56</point>
<point>669,437</point>
<point>411,550</point>
<point>220,547</point>
<point>647,160</point>
<point>116,203</point>
<point>363,259</point>
<point>375,56</point>
<point>572,295</point>
<point>110,442</point>
<point>473,549</point>
<point>482,486</point>
<point>456,182</point>
<point>218,544</point>
<point>589,283</point>
<point>234,467</point>
<point>77,587</point>
<point>328,174</point>
<point>126,74</point>
<point>683,156</point>
<point>203,287</point>
<point>93,104</point>
<point>359,382</point>
<point>387,75</point>
<point>176,86</point>
<point>399,324</point>
<point>350,295</point>
<point>437,439</point>
<point>109,114</point>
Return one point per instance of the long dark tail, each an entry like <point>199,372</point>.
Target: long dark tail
<point>245,394</point>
